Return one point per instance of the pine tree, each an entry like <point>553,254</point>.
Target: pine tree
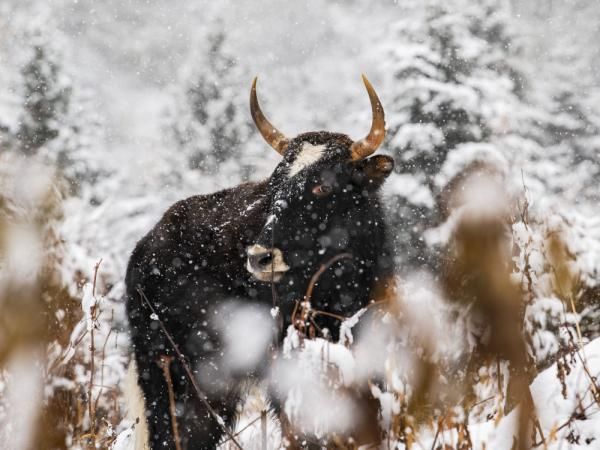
<point>57,121</point>
<point>46,99</point>
<point>450,85</point>
<point>458,99</point>
<point>211,121</point>
<point>568,95</point>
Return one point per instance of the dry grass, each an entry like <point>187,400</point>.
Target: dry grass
<point>39,316</point>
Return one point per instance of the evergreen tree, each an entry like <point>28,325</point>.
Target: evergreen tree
<point>450,86</point>
<point>568,95</point>
<point>6,138</point>
<point>57,121</point>
<point>77,151</point>
<point>211,120</point>
<point>458,99</point>
<point>46,98</point>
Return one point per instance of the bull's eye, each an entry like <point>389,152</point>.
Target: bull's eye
<point>322,190</point>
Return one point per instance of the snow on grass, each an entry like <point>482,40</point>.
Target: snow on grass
<point>568,413</point>
<point>257,416</point>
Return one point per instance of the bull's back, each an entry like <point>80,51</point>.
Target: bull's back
<point>201,236</point>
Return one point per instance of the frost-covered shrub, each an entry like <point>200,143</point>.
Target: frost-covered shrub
<point>452,83</point>
<point>548,266</point>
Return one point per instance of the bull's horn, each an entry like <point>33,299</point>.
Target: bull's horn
<point>367,146</point>
<point>272,135</point>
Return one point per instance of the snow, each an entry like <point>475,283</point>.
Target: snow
<point>247,332</point>
<point>346,337</point>
<point>573,413</point>
<point>24,394</point>
<point>467,154</point>
<point>407,186</point>
<point>555,409</point>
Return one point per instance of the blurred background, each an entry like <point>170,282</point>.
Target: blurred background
<point>111,111</point>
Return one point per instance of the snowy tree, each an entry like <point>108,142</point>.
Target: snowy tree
<point>57,120</point>
<point>460,102</point>
<point>211,120</point>
<point>46,98</point>
<point>451,81</point>
<point>568,96</point>
<point>6,137</point>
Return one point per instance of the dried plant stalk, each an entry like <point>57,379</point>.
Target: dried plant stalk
<point>164,362</point>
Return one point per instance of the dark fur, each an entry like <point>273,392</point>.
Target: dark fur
<point>194,260</point>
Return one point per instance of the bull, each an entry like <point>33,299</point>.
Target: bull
<point>252,243</point>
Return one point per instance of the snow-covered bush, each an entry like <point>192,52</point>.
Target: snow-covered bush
<point>452,83</point>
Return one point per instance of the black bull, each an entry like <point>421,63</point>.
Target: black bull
<point>248,243</point>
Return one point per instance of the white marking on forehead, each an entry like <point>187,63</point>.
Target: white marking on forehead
<point>309,155</point>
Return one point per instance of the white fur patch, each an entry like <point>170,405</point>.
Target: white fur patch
<point>248,429</point>
<point>309,155</point>
<point>135,437</point>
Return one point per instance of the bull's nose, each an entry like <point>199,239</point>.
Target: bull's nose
<point>261,261</point>
<point>266,263</point>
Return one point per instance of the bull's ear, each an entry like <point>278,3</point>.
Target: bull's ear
<point>371,173</point>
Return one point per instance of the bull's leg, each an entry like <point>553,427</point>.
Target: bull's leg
<point>155,390</point>
<point>202,423</point>
<point>197,427</point>
<point>164,363</point>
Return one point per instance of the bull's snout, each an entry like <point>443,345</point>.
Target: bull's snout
<point>266,264</point>
<point>261,261</point>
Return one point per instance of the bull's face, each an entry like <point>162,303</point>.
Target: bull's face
<point>320,196</point>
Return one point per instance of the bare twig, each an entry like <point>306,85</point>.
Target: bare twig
<point>263,428</point>
<point>500,386</point>
<point>164,362</point>
<point>96,267</point>
<point>322,269</point>
<point>318,312</point>
<point>112,317</point>
<point>437,432</point>
<point>91,404</point>
<point>580,347</point>
<point>246,427</point>
<point>525,210</point>
<point>304,307</point>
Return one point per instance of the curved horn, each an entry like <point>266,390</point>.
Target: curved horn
<point>367,146</point>
<point>274,137</point>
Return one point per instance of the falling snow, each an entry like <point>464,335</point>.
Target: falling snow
<point>110,113</point>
